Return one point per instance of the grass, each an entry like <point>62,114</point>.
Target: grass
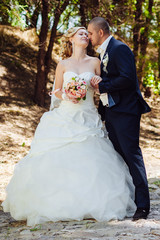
<point>157,183</point>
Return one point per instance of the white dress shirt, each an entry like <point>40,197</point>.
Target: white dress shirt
<point>101,50</point>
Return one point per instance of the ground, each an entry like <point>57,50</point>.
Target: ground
<point>19,117</point>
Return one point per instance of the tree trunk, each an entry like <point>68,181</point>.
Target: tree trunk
<point>95,8</point>
<point>39,94</point>
<point>158,59</point>
<point>144,37</point>
<point>82,13</point>
<point>88,9</point>
<point>158,27</point>
<point>44,57</point>
<point>137,27</point>
<point>48,58</point>
<point>35,15</point>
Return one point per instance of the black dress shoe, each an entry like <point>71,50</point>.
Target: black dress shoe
<point>141,213</point>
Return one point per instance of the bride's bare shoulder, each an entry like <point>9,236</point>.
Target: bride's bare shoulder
<point>65,62</point>
<point>62,62</point>
<point>93,59</point>
<point>61,66</point>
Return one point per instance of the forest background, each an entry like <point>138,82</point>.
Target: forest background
<point>137,23</point>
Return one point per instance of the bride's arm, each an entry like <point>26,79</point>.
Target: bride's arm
<point>59,80</point>
<point>58,92</point>
<point>96,78</point>
<point>97,67</point>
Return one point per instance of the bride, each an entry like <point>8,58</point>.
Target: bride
<point>72,171</point>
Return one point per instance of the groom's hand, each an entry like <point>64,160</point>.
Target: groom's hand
<point>95,80</point>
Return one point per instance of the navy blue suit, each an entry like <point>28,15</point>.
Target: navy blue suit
<point>122,117</point>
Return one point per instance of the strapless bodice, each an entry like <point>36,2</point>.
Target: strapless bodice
<point>85,75</point>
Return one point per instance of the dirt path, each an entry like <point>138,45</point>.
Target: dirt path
<point>88,229</point>
<point>18,125</point>
<point>18,120</point>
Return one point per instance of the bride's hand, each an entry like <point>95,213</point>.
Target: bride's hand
<point>72,98</point>
<point>95,80</point>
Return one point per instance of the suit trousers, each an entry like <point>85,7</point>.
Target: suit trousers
<point>123,130</point>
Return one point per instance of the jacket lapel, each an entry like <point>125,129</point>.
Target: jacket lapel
<point>107,51</point>
<point>110,98</point>
<point>109,47</point>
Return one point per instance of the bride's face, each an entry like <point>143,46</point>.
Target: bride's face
<point>81,38</point>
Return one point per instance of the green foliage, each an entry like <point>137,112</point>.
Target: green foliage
<point>150,79</point>
<point>69,18</point>
<point>16,14</point>
<point>39,227</point>
<point>142,30</point>
<point>157,183</point>
<point>112,6</point>
<point>3,13</point>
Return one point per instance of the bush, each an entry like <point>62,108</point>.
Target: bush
<point>150,79</point>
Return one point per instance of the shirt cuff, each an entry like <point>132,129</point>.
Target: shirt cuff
<point>104,99</point>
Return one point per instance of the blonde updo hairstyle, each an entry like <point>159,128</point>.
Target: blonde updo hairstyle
<point>66,50</point>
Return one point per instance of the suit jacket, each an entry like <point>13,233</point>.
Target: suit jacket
<point>119,80</point>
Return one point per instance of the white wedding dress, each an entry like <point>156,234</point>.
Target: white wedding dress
<point>71,171</point>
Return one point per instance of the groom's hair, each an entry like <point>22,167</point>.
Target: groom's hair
<point>100,23</point>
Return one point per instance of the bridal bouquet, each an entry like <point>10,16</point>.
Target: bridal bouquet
<point>77,87</point>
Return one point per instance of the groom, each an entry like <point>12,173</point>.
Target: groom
<point>121,105</point>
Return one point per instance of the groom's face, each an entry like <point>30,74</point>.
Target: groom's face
<point>93,34</point>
